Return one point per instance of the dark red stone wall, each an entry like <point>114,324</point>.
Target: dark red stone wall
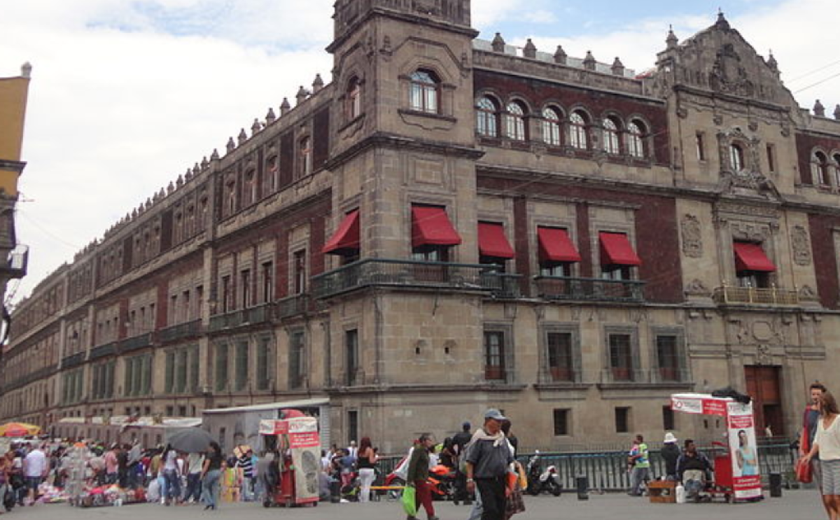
<point>825,258</point>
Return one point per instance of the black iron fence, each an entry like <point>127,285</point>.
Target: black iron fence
<point>607,471</point>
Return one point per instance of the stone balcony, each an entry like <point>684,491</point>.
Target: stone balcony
<point>557,288</point>
<point>772,296</point>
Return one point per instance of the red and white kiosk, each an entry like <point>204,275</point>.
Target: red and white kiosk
<point>738,473</point>
<point>297,441</point>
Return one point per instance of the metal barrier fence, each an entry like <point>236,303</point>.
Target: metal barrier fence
<point>607,471</point>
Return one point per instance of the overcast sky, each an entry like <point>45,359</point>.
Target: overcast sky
<point>126,94</point>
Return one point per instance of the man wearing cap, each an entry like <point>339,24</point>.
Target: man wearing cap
<point>671,454</point>
<point>459,444</point>
<point>488,458</point>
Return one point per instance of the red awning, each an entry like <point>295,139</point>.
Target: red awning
<point>431,227</point>
<point>346,238</point>
<point>750,257</point>
<point>492,241</point>
<point>617,250</point>
<point>556,246</point>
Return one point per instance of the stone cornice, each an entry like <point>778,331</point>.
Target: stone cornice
<point>383,140</point>
<point>15,166</point>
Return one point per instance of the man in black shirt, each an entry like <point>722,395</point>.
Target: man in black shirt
<point>459,443</point>
<point>692,468</point>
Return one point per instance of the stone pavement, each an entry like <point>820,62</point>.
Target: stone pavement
<point>795,505</point>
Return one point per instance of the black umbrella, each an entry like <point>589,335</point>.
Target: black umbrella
<point>191,440</point>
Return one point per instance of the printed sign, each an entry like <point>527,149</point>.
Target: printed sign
<point>305,445</point>
<point>746,470</point>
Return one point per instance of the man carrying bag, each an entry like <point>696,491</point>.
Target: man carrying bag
<point>488,459</point>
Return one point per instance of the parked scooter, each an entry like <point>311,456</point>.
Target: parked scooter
<point>542,481</point>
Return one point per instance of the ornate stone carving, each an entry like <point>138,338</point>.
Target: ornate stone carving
<point>801,246</point>
<point>697,288</point>
<point>728,74</point>
<point>808,293</point>
<point>764,355</point>
<point>692,237</point>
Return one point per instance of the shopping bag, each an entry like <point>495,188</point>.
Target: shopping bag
<point>515,503</point>
<point>804,472</point>
<point>409,501</point>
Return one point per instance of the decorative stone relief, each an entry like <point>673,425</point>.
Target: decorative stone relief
<point>692,237</point>
<point>764,355</point>
<point>697,288</point>
<point>808,293</point>
<point>729,75</point>
<point>801,246</point>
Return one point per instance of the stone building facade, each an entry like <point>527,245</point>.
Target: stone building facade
<point>453,223</point>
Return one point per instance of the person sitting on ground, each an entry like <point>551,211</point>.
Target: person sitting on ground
<point>692,468</point>
<point>671,455</point>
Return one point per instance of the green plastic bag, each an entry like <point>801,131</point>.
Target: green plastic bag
<point>409,501</point>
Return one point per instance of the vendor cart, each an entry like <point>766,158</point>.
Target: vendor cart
<point>296,443</point>
<point>737,475</point>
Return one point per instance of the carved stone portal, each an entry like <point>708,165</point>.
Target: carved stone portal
<point>692,237</point>
<point>801,246</point>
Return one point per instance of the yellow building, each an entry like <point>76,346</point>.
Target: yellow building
<point>13,97</point>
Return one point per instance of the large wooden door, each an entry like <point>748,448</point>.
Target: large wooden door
<point>764,387</point>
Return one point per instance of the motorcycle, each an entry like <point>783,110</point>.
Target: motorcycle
<point>441,480</point>
<point>542,481</point>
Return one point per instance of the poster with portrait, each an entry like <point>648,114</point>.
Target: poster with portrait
<point>305,444</point>
<point>746,470</point>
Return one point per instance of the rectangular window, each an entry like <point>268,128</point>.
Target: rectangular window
<point>667,352</point>
<point>560,356</point>
<point>561,422</point>
<point>700,143</point>
<point>245,278</point>
<point>185,306</point>
<point>263,371</point>
<point>667,418</point>
<point>221,367</point>
<point>771,158</point>
<point>173,309</point>
<point>352,426</point>
<point>296,360</point>
<point>241,379</point>
<point>194,369</point>
<point>622,420</point>
<point>299,274</point>
<point>182,366</point>
<point>199,303</point>
<point>146,377</point>
<point>169,381</point>
<point>267,282</point>
<point>351,342</point>
<point>621,357</point>
<point>226,307</point>
<point>494,356</point>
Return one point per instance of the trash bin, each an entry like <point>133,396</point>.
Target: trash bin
<point>582,485</point>
<point>335,491</point>
<point>776,485</point>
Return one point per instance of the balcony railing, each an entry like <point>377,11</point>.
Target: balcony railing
<point>292,306</point>
<point>240,318</point>
<point>589,289</point>
<point>755,296</point>
<point>191,329</point>
<point>137,342</point>
<point>108,349</point>
<point>415,274</point>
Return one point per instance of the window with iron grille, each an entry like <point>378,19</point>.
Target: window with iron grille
<point>667,418</point>
<point>622,420</point>
<point>494,356</point>
<point>296,360</point>
<point>561,422</point>
<point>667,352</point>
<point>560,361</point>
<point>351,341</point>
<point>621,357</point>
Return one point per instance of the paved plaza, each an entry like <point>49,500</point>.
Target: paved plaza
<point>795,505</point>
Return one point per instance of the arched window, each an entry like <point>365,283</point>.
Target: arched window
<point>515,121</point>
<point>611,143</point>
<point>577,131</point>
<point>819,169</point>
<point>250,191</point>
<point>354,99</point>
<point>231,198</point>
<point>837,168</point>
<point>736,157</point>
<point>424,92</point>
<point>635,139</point>
<point>487,117</point>
<point>551,126</point>
<point>272,170</point>
<point>305,156</point>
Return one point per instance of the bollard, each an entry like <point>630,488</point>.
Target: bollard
<point>335,491</point>
<point>582,484</point>
<point>776,485</point>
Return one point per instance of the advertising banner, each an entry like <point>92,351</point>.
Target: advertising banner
<point>305,445</point>
<point>746,470</point>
